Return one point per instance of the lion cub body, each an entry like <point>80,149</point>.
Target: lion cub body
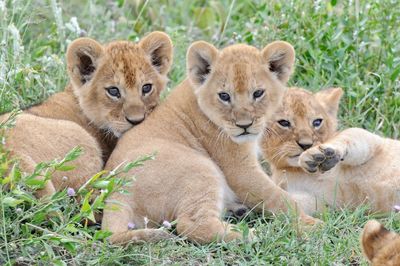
<point>380,246</point>
<point>84,114</point>
<point>205,145</point>
<point>318,165</point>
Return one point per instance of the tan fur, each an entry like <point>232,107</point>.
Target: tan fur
<point>202,163</point>
<point>380,246</point>
<point>84,114</point>
<point>347,168</point>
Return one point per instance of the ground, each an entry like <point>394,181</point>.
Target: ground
<point>351,44</point>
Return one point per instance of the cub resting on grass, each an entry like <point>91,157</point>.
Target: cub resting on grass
<point>204,136</point>
<point>112,88</point>
<point>318,165</point>
<point>380,246</point>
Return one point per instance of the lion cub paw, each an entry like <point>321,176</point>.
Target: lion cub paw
<point>320,158</point>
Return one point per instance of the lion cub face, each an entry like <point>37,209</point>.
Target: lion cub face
<point>239,86</point>
<point>301,122</point>
<point>380,246</point>
<point>118,84</point>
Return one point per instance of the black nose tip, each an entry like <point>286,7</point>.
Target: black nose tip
<point>135,122</point>
<point>304,146</point>
<point>244,126</point>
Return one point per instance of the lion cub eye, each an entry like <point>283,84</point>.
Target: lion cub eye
<point>317,122</point>
<point>146,88</point>
<point>224,97</point>
<point>258,93</point>
<point>284,123</point>
<point>113,92</point>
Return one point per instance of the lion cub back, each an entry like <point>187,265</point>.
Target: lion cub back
<point>380,246</point>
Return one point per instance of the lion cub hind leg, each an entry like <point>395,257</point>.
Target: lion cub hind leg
<point>140,236</point>
<point>28,164</point>
<point>206,229</point>
<point>119,220</point>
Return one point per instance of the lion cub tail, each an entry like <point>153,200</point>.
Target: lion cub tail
<point>379,245</point>
<point>140,236</point>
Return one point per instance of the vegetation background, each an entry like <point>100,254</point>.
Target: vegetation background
<point>352,44</point>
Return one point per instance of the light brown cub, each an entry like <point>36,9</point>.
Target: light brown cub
<point>112,88</point>
<point>204,136</point>
<point>380,246</point>
<point>318,165</point>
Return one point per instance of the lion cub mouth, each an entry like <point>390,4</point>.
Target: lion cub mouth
<point>244,133</point>
<point>245,137</point>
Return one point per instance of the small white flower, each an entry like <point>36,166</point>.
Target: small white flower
<point>71,192</point>
<point>131,226</point>
<point>167,224</point>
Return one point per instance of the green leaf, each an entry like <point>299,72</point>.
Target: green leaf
<point>11,202</point>
<point>120,3</point>
<point>65,168</point>
<point>99,235</point>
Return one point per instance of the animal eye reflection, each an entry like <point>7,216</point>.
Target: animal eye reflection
<point>225,97</point>
<point>284,123</point>
<point>317,122</point>
<point>113,92</point>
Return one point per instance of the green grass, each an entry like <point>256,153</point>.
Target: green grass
<point>351,44</point>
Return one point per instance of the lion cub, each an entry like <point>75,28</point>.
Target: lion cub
<point>112,88</point>
<point>204,136</point>
<point>380,246</point>
<point>318,165</point>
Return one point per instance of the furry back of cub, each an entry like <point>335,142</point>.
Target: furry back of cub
<point>204,136</point>
<point>380,246</point>
<point>112,87</point>
<point>318,165</point>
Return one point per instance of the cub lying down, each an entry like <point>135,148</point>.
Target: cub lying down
<point>380,246</point>
<point>112,87</point>
<point>318,165</point>
<point>204,136</point>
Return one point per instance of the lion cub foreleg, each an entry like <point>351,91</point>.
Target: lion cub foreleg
<point>257,190</point>
<point>353,147</point>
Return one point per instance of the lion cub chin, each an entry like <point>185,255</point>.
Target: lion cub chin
<point>380,246</point>
<point>318,165</point>
<point>112,88</point>
<point>204,138</point>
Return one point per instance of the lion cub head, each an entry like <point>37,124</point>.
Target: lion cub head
<point>380,246</point>
<point>302,121</point>
<point>239,86</point>
<point>118,84</point>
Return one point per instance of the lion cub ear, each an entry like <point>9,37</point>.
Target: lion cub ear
<point>83,56</point>
<point>374,237</point>
<point>279,56</point>
<point>330,99</point>
<point>200,58</point>
<point>158,46</point>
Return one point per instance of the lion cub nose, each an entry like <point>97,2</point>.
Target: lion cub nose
<point>244,126</point>
<point>135,121</point>
<point>304,146</point>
